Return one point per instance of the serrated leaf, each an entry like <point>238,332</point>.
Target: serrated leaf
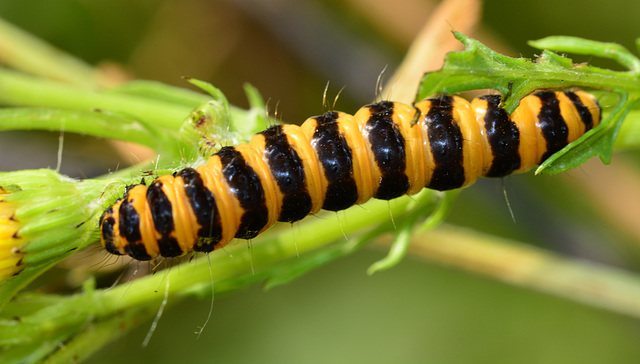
<point>479,67</point>
<point>578,45</point>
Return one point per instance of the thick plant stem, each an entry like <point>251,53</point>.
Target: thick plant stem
<point>526,266</point>
<point>236,261</point>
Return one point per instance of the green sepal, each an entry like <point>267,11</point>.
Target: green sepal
<point>46,201</point>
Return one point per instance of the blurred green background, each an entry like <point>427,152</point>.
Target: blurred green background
<point>419,311</point>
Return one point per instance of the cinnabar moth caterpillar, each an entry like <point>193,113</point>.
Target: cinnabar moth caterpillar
<point>336,160</point>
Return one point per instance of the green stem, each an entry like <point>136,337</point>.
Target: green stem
<point>97,335</point>
<point>517,263</point>
<point>146,113</point>
<point>233,268</point>
<point>236,261</point>
<point>93,123</point>
<point>19,89</point>
<point>30,54</point>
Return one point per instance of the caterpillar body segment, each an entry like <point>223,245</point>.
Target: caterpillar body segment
<point>336,160</point>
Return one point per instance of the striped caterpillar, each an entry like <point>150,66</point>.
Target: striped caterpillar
<point>336,160</point>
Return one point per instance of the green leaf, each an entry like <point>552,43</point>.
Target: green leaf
<point>479,67</point>
<point>597,142</point>
<point>578,45</point>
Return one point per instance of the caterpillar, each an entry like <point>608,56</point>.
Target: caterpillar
<point>335,160</point>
